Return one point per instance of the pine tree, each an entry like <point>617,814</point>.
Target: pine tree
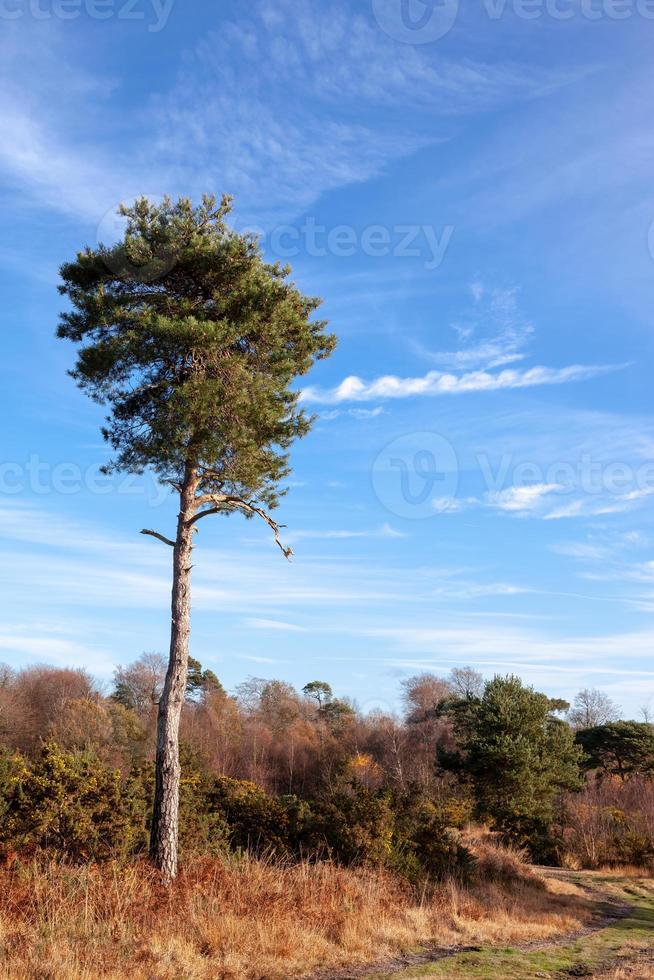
<point>193,342</point>
<point>518,755</point>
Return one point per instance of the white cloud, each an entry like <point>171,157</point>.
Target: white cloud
<point>44,92</point>
<point>597,506</point>
<point>538,500</point>
<point>448,505</point>
<point>359,600</point>
<point>478,590</point>
<point>355,413</point>
<point>366,413</point>
<point>354,389</point>
<point>522,499</point>
<point>503,349</point>
<point>582,550</point>
<point>238,125</point>
<point>274,624</point>
<point>39,644</point>
<point>492,646</point>
<point>261,660</point>
<point>385,531</point>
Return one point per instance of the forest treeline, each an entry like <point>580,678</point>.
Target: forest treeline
<point>290,774</point>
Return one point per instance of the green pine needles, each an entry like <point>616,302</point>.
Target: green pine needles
<point>193,341</point>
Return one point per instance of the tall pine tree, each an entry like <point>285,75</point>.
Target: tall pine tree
<point>193,342</point>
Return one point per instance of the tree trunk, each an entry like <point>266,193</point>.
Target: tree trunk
<point>165,817</point>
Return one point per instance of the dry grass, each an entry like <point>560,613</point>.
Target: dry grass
<point>621,871</point>
<point>252,920</point>
<point>637,969</point>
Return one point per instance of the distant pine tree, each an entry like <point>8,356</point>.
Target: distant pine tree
<point>518,755</point>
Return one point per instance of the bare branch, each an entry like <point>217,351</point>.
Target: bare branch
<point>160,537</point>
<point>206,513</point>
<point>223,501</point>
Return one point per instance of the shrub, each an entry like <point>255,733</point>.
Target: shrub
<point>633,846</point>
<point>406,832</point>
<point>255,821</point>
<point>425,842</point>
<point>71,802</point>
<point>353,825</point>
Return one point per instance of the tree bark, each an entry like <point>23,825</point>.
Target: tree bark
<point>165,817</point>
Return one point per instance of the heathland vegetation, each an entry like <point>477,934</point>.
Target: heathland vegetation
<point>297,775</point>
<point>310,833</point>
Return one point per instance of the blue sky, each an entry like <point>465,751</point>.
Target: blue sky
<point>470,190</point>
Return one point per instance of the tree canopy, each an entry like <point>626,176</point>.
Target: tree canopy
<point>619,748</point>
<point>193,340</point>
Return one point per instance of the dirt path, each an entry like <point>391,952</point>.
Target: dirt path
<point>395,964</point>
<point>622,914</point>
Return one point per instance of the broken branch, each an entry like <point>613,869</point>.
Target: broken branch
<point>223,500</point>
<point>160,537</point>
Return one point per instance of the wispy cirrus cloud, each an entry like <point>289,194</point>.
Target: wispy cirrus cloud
<point>355,413</point>
<point>506,348</point>
<point>581,550</point>
<point>495,327</point>
<point>51,643</point>
<point>517,646</point>
<point>589,506</point>
<point>275,624</point>
<point>385,531</point>
<point>350,70</point>
<point>220,118</point>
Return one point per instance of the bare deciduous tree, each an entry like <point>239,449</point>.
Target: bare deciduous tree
<point>592,707</point>
<point>139,685</point>
<point>466,682</point>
